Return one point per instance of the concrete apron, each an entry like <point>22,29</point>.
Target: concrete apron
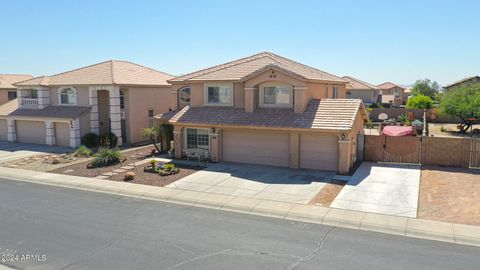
<point>411,227</point>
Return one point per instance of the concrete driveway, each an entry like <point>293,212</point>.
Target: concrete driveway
<point>255,181</point>
<point>382,188</point>
<point>11,151</point>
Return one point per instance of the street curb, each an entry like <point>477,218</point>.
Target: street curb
<point>410,227</point>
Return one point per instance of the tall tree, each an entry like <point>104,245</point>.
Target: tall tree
<point>425,87</point>
<point>419,102</point>
<point>463,102</point>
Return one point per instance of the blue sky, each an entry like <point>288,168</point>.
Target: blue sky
<point>377,41</point>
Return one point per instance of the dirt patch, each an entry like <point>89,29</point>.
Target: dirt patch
<point>328,193</point>
<point>154,179</point>
<point>80,169</point>
<point>449,194</point>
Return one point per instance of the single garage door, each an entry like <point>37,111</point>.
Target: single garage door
<point>3,130</point>
<point>319,152</point>
<point>31,132</point>
<point>62,134</point>
<point>256,147</point>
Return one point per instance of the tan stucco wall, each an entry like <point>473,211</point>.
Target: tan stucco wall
<point>138,101</point>
<point>367,96</point>
<point>4,95</point>
<point>3,130</point>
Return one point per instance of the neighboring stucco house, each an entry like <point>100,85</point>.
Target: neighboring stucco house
<point>7,90</point>
<point>392,94</point>
<point>467,80</point>
<point>116,96</point>
<point>367,92</point>
<point>266,109</point>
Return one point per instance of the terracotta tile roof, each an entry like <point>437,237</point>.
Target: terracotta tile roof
<point>357,84</point>
<point>388,85</point>
<point>7,80</point>
<point>68,112</point>
<point>463,81</point>
<point>105,73</point>
<point>327,114</point>
<point>240,69</point>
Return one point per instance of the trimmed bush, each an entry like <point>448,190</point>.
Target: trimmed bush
<point>108,140</point>
<point>106,157</point>
<point>90,140</point>
<point>83,152</point>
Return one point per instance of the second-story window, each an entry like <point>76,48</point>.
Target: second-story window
<point>12,95</point>
<point>31,93</point>
<point>219,95</point>
<point>276,95</point>
<point>184,97</point>
<point>335,91</point>
<point>67,96</point>
<point>396,92</point>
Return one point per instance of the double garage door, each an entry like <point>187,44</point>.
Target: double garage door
<point>315,151</point>
<point>35,132</point>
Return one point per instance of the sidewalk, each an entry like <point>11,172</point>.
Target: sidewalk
<point>411,227</point>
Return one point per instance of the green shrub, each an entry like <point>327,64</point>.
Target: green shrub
<point>443,129</point>
<point>369,124</point>
<point>419,102</point>
<point>106,157</point>
<point>90,140</point>
<point>83,152</point>
<point>108,140</point>
<point>169,169</point>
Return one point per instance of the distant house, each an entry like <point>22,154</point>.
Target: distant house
<point>7,90</point>
<point>407,93</point>
<point>392,94</point>
<point>467,80</point>
<point>367,92</point>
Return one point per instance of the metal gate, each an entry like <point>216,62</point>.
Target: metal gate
<point>393,149</point>
<point>475,153</point>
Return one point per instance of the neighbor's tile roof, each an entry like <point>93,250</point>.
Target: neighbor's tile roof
<point>105,73</point>
<point>7,80</point>
<point>462,81</point>
<point>356,84</point>
<point>240,69</point>
<point>68,112</point>
<point>327,114</point>
<point>388,85</point>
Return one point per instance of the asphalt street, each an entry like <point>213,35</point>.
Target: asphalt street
<point>45,227</point>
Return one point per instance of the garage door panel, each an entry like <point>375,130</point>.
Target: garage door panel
<point>31,132</point>
<point>256,147</point>
<point>62,134</point>
<point>319,152</point>
<point>3,130</point>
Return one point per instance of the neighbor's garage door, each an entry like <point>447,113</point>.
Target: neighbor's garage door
<point>319,152</point>
<point>256,147</point>
<point>31,132</point>
<point>3,130</point>
<point>62,134</point>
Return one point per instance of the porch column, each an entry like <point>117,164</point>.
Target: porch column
<point>344,155</point>
<point>43,97</point>
<point>94,125</point>
<point>294,150</point>
<point>249,99</point>
<point>50,133</point>
<point>11,130</point>
<point>178,140</point>
<point>75,133</point>
<point>300,99</point>
<point>215,146</point>
<point>115,115</point>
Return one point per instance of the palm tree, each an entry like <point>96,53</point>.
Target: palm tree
<point>153,133</point>
<point>162,134</point>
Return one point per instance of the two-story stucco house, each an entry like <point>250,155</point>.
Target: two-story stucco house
<point>464,81</point>
<point>116,96</point>
<point>7,90</point>
<point>392,94</point>
<point>367,92</point>
<point>266,109</point>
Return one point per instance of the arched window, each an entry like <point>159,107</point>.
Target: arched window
<point>184,97</point>
<point>67,96</point>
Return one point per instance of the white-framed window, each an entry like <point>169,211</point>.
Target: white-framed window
<point>326,90</point>
<point>197,138</point>
<point>31,93</point>
<point>396,92</point>
<point>335,91</point>
<point>67,96</point>
<point>219,94</point>
<point>184,97</point>
<point>275,95</point>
